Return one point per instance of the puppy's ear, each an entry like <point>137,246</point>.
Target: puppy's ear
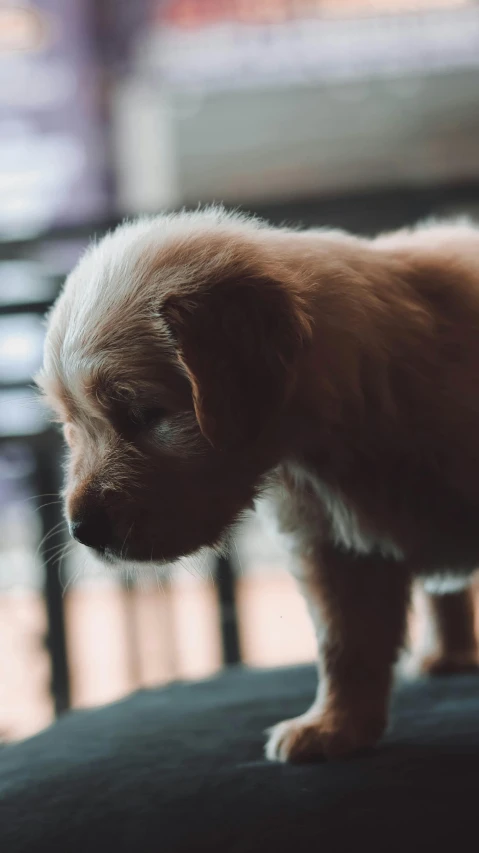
<point>239,341</point>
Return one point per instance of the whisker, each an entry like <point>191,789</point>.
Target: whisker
<point>197,563</point>
<point>126,576</point>
<point>71,581</point>
<point>158,579</point>
<point>59,558</point>
<point>67,546</point>
<point>50,553</point>
<point>39,497</point>
<point>53,530</point>
<point>67,552</point>
<point>125,540</point>
<point>49,503</point>
<point>60,566</point>
<point>235,546</point>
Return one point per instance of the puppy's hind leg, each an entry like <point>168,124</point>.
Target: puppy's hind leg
<point>359,607</point>
<point>449,642</point>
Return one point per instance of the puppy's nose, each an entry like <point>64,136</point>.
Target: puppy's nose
<point>92,528</point>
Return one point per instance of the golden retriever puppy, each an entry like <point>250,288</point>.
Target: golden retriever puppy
<point>199,361</point>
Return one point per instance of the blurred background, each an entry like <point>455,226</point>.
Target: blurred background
<point>362,114</point>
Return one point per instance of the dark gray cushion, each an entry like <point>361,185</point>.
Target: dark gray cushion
<point>182,769</point>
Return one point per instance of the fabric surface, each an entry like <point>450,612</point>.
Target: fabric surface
<point>181,769</point>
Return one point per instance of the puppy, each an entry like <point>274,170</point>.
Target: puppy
<point>198,361</point>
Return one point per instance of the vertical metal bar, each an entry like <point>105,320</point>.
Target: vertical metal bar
<point>48,481</point>
<point>226,588</point>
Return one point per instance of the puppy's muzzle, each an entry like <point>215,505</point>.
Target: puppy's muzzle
<point>92,528</point>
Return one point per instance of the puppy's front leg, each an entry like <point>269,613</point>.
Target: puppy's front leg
<point>359,607</point>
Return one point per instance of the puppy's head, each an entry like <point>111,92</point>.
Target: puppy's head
<point>170,357</point>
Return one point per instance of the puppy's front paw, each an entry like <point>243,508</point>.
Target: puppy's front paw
<point>314,737</point>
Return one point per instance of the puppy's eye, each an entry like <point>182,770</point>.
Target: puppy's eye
<point>145,417</point>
